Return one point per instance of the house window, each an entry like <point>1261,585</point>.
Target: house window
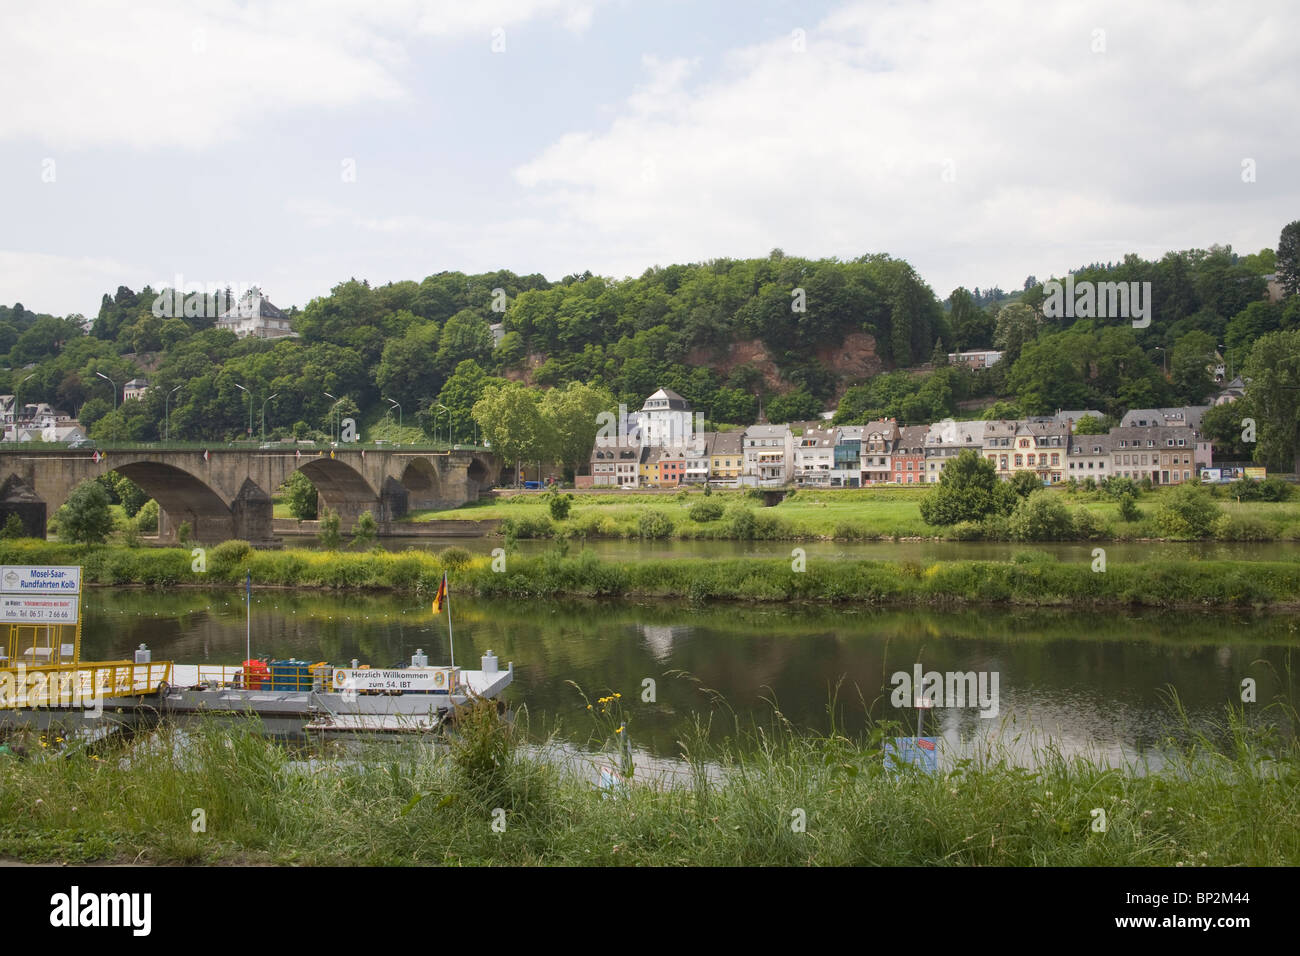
<point>1020,460</point>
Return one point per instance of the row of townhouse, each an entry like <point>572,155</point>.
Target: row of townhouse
<point>1161,444</point>
<point>1165,453</point>
<point>853,456</point>
<point>715,456</point>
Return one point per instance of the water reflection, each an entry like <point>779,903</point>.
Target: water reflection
<point>1089,682</point>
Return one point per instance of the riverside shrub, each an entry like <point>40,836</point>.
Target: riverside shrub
<point>654,524</point>
<point>1041,517</point>
<point>703,511</point>
<point>1232,527</point>
<point>559,505</point>
<point>968,490</point>
<point>1187,512</point>
<point>742,523</point>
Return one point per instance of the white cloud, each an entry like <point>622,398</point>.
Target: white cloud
<point>149,73</point>
<point>1057,154</point>
<point>59,285</point>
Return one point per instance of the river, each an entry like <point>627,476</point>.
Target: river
<point>1093,682</point>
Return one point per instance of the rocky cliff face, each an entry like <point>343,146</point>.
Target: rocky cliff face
<point>854,360</point>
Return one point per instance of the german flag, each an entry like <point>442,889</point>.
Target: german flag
<point>440,599</point>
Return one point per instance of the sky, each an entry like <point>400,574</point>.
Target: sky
<point>295,145</point>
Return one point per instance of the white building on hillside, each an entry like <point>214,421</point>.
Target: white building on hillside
<point>254,316</point>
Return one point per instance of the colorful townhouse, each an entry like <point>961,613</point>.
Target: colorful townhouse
<point>1165,454</point>
<point>846,464</point>
<point>1051,443</point>
<point>878,441</point>
<point>908,458</point>
<point>726,457</point>
<point>946,440</point>
<point>1089,456</point>
<point>814,457</point>
<point>696,454</point>
<point>1000,446</point>
<point>616,465</point>
<point>769,455</point>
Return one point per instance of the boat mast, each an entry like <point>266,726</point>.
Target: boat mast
<point>248,616</point>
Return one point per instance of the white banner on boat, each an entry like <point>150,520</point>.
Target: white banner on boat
<point>404,679</point>
<point>32,579</point>
<point>38,609</point>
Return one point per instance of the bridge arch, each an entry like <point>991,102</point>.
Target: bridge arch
<point>183,497</point>
<point>342,488</point>
<point>423,484</point>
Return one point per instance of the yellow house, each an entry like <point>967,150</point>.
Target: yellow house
<point>726,456</point>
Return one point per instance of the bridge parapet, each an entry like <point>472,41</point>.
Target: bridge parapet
<point>225,492</point>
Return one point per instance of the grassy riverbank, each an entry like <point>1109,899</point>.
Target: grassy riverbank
<point>862,514</point>
<point>1030,578</point>
<point>738,804</point>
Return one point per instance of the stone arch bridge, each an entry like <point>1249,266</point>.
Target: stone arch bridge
<point>225,492</point>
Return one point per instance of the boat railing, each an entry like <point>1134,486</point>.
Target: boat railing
<point>79,684</point>
<point>267,677</point>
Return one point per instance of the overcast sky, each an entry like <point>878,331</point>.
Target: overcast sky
<point>295,145</point>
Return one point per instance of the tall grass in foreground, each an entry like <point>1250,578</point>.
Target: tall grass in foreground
<point>1233,803</point>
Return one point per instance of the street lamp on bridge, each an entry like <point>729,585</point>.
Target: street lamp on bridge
<point>167,413</point>
<point>268,398</point>
<point>397,405</point>
<point>110,382</point>
<point>435,426</point>
<point>333,409</point>
<point>250,407</point>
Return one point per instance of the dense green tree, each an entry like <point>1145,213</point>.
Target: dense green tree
<point>572,418</point>
<point>1288,258</point>
<point>459,395</point>
<point>364,531</point>
<point>972,327</point>
<point>85,517</point>
<point>301,496</point>
<point>1092,425</point>
<point>511,419</point>
<point>465,336</point>
<point>407,371</point>
<point>330,535</point>
<point>1186,512</point>
<point>968,490</point>
<point>1225,426</point>
<point>794,406</point>
<point>1189,369</point>
<point>1049,375</point>
<point>1041,516</point>
<point>1273,370</point>
<point>131,495</point>
<point>1024,483</point>
<point>1017,325</point>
